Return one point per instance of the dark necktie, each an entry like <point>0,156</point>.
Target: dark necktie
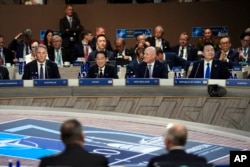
<point>100,73</point>
<point>41,71</point>
<point>207,74</point>
<point>182,51</point>
<point>27,49</point>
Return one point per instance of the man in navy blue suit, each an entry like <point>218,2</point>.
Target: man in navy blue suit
<point>150,67</point>
<point>226,54</point>
<point>209,67</point>
<point>175,141</point>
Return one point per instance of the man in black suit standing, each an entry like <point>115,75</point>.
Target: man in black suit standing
<point>209,68</point>
<point>102,69</point>
<point>150,67</point>
<point>41,68</point>
<point>157,40</point>
<point>74,154</point>
<point>70,27</point>
<point>175,141</point>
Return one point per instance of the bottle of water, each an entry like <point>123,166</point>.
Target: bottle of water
<point>235,76</point>
<point>20,68</point>
<point>10,163</point>
<point>18,163</point>
<point>179,75</point>
<point>175,75</point>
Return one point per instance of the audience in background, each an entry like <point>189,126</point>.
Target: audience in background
<point>209,68</point>
<point>47,40</point>
<point>57,53</point>
<point>100,31</point>
<point>4,73</point>
<point>32,56</point>
<point>207,38</point>
<point>21,45</point>
<point>102,69</point>
<point>6,55</point>
<point>131,68</point>
<point>226,53</point>
<point>140,43</point>
<point>74,154</point>
<point>82,49</point>
<point>157,40</point>
<point>70,28</point>
<point>122,55</point>
<point>244,49</point>
<point>101,45</point>
<point>150,67</point>
<point>175,139</point>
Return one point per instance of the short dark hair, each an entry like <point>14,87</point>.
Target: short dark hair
<point>83,33</point>
<point>101,35</point>
<point>243,35</point>
<point>158,51</point>
<point>101,52</point>
<point>207,43</point>
<point>71,130</point>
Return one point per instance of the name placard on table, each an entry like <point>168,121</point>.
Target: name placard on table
<point>50,82</point>
<point>142,81</point>
<point>191,81</point>
<point>238,82</point>
<point>10,83</point>
<point>96,81</point>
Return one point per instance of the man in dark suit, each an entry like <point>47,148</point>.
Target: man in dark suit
<point>5,53</point>
<point>101,43</point>
<point>70,27</point>
<point>102,69</point>
<point>41,68</point>
<point>21,44</point>
<point>4,73</point>
<point>157,40</point>
<point>74,154</point>
<point>226,54</point>
<point>57,53</point>
<point>209,68</point>
<point>150,67</point>
<point>175,141</point>
<point>122,55</point>
<point>244,49</point>
<point>131,68</point>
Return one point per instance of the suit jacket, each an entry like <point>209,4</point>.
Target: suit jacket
<point>73,32</point>
<point>121,61</point>
<point>110,55</point>
<point>218,70</point>
<point>165,44</point>
<point>18,46</point>
<point>93,44</point>
<point>173,60</point>
<point>233,57</point>
<point>4,73</point>
<point>109,72</point>
<point>65,55</point>
<point>77,51</point>
<point>248,53</point>
<point>31,70</point>
<point>191,52</point>
<point>8,55</point>
<point>74,156</point>
<point>159,70</point>
<point>177,156</point>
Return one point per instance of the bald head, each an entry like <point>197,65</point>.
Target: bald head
<point>176,135</point>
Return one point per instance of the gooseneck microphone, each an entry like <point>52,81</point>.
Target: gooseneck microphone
<point>145,71</point>
<point>197,70</point>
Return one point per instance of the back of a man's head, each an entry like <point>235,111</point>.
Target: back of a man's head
<point>176,135</point>
<point>71,132</point>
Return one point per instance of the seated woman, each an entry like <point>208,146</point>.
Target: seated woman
<point>101,69</point>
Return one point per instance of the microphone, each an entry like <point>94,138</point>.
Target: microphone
<point>46,71</point>
<point>1,76</point>
<point>197,70</point>
<point>145,71</point>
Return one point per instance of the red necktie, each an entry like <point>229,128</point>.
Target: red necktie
<point>86,51</point>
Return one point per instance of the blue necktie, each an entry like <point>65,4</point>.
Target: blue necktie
<point>207,74</point>
<point>245,52</point>
<point>41,71</point>
<point>58,58</point>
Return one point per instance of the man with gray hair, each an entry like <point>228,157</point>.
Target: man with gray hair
<point>175,140</point>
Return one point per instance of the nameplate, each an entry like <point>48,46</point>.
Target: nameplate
<point>176,68</point>
<point>77,63</point>
<point>142,81</point>
<point>95,81</point>
<point>9,83</point>
<point>50,82</point>
<point>237,68</point>
<point>191,81</point>
<point>238,82</point>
